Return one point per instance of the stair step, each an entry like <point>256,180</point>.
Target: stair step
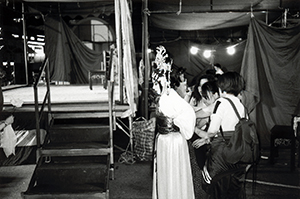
<point>82,121</point>
<point>79,126</point>
<point>70,173</point>
<point>80,115</point>
<point>74,191</point>
<point>75,149</point>
<point>78,133</point>
<point>38,194</point>
<point>67,177</point>
<point>78,159</point>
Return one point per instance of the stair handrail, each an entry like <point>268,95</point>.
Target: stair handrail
<point>112,122</point>
<point>39,113</point>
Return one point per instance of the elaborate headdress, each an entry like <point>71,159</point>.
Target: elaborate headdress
<point>161,58</point>
<point>163,67</point>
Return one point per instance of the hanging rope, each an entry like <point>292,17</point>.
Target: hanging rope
<point>284,22</point>
<point>180,6</point>
<point>252,15</point>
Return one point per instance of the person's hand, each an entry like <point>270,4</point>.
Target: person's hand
<point>199,142</point>
<point>206,175</point>
<point>9,120</point>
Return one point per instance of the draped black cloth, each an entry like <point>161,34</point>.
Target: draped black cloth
<point>271,68</point>
<point>70,60</point>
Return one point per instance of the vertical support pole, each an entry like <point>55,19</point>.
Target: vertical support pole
<point>37,124</point>
<point>146,57</point>
<point>110,88</point>
<point>25,44</point>
<point>48,88</point>
<point>119,47</point>
<point>130,131</point>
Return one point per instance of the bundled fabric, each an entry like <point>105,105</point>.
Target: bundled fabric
<point>143,137</point>
<point>8,140</point>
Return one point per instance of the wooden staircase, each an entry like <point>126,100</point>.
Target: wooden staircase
<point>76,158</point>
<point>74,162</point>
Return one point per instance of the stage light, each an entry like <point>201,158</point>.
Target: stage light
<point>15,35</point>
<point>194,50</point>
<point>149,50</point>
<point>230,50</point>
<point>207,53</point>
<point>17,20</point>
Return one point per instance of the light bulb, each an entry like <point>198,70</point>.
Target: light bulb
<point>207,53</point>
<point>194,50</point>
<point>231,50</point>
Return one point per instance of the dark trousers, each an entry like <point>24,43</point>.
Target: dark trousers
<point>200,154</point>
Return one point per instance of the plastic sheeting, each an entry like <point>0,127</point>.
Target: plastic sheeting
<point>129,58</point>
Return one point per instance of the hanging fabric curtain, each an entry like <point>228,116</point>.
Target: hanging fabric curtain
<point>70,60</point>
<point>271,70</point>
<point>129,60</point>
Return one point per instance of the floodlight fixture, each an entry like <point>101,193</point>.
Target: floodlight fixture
<point>194,50</point>
<point>231,50</point>
<point>207,53</point>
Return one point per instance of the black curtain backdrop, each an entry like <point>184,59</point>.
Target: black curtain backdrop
<point>70,60</point>
<point>271,68</point>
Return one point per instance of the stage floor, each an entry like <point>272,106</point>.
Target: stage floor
<point>67,101</point>
<point>60,94</point>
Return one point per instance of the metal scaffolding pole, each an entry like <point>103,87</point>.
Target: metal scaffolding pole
<point>25,44</point>
<point>146,57</point>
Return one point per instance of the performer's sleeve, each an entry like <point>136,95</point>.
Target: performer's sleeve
<point>185,120</point>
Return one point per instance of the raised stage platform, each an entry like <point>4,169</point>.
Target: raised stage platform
<point>63,98</point>
<point>59,94</point>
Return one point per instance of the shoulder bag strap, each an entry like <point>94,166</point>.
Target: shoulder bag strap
<point>236,112</point>
<point>234,108</point>
<point>215,109</point>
